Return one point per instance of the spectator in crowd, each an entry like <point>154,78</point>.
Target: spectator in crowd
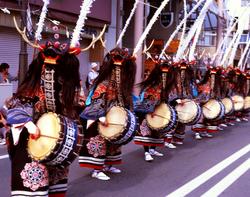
<point>5,76</point>
<point>3,126</point>
<point>92,75</point>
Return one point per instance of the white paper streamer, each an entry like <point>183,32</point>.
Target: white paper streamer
<point>178,27</point>
<point>196,38</point>
<point>245,62</point>
<point>85,10</point>
<point>229,47</point>
<point>193,29</point>
<point>127,22</point>
<point>231,44</point>
<point>241,28</point>
<point>185,23</point>
<point>240,64</point>
<point>40,24</point>
<point>222,42</point>
<point>149,26</point>
<point>233,52</point>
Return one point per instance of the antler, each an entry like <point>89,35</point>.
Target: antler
<point>94,40</point>
<point>146,49</point>
<point>23,34</point>
<point>103,44</point>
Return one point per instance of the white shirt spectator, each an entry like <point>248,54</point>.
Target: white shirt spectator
<point>93,73</point>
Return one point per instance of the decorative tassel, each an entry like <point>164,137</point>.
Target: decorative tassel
<point>85,10</point>
<point>40,24</point>
<point>127,22</point>
<point>149,26</point>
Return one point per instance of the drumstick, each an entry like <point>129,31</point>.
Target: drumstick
<point>183,112</point>
<point>160,116</point>
<point>56,138</point>
<point>110,123</point>
<point>207,108</point>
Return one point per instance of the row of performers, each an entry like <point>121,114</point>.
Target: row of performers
<point>171,98</point>
<point>50,125</point>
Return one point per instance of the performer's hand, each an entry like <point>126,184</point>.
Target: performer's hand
<point>103,121</point>
<point>36,135</point>
<point>33,130</point>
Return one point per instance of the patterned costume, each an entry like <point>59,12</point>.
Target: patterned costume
<point>112,87</point>
<point>155,91</point>
<point>52,84</point>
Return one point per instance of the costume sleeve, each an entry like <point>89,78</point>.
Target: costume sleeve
<point>20,116</point>
<point>95,103</point>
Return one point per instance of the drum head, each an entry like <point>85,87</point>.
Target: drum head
<point>211,109</point>
<point>187,111</point>
<point>116,119</point>
<point>238,102</point>
<point>160,118</point>
<point>247,102</point>
<point>228,103</point>
<point>49,125</point>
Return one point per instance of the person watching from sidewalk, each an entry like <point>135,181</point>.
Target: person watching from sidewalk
<point>5,76</point>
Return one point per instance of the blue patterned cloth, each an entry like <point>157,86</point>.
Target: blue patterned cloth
<point>22,113</point>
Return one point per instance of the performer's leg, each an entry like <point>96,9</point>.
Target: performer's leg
<point>113,157</point>
<point>179,134</point>
<point>58,181</point>
<point>24,179</point>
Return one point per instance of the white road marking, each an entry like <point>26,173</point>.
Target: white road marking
<point>228,180</point>
<point>196,182</point>
<point>4,156</point>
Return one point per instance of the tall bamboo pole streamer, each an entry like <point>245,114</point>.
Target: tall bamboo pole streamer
<point>149,26</point>
<point>127,22</point>
<point>196,38</point>
<point>229,47</point>
<point>221,45</point>
<point>233,53</point>
<point>218,50</point>
<point>193,29</point>
<point>245,62</point>
<point>185,22</point>
<point>40,23</point>
<point>85,10</point>
<point>240,64</point>
<point>179,27</point>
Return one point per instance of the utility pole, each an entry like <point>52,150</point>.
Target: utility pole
<point>118,20</point>
<point>23,55</point>
<point>138,30</point>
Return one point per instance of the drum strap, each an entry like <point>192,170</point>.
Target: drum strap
<point>118,81</point>
<point>48,83</point>
<point>184,93</point>
<point>212,85</point>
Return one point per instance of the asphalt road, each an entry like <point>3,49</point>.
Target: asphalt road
<point>219,166</point>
